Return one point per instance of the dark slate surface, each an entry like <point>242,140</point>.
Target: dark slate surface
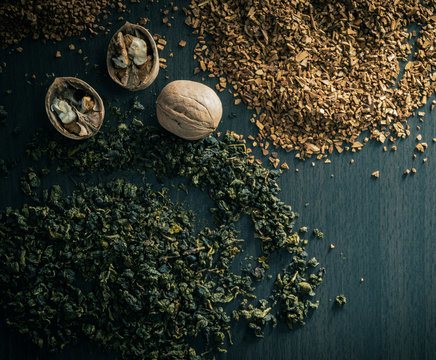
<point>383,230</point>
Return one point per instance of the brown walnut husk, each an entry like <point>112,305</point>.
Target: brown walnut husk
<point>188,109</point>
<point>73,90</point>
<point>134,77</point>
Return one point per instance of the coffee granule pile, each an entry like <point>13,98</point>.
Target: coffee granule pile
<point>318,73</point>
<point>52,19</point>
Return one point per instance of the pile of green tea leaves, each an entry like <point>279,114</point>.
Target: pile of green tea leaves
<point>121,264</point>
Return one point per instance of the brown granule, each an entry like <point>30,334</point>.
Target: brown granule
<point>143,21</point>
<point>51,19</point>
<point>320,72</point>
<point>421,147</point>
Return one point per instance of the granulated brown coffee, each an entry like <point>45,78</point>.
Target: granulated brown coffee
<point>318,73</point>
<point>52,19</point>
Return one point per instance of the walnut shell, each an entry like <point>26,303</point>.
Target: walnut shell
<point>84,102</point>
<point>133,77</point>
<point>188,109</point>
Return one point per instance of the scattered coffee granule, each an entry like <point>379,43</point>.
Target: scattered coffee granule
<point>58,54</point>
<point>318,73</point>
<point>182,43</point>
<point>406,172</point>
<point>274,162</point>
<point>143,21</point>
<point>51,20</point>
<point>376,174</point>
<point>421,146</point>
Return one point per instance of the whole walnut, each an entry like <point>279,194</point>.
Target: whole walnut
<point>188,109</point>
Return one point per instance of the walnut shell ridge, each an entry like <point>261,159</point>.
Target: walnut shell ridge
<point>188,109</point>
